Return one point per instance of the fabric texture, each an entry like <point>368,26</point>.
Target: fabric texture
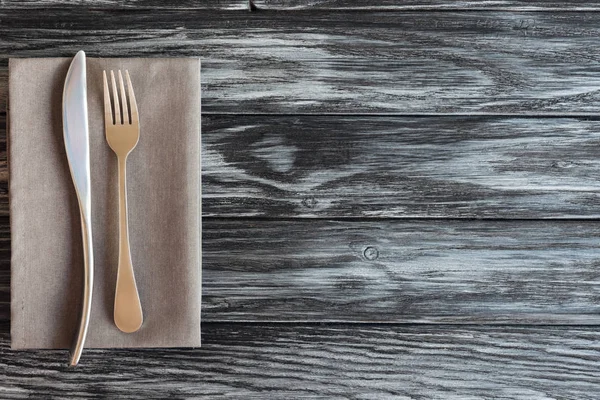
<point>164,186</point>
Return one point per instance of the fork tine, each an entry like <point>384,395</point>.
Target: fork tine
<point>132,101</point>
<point>108,114</point>
<point>123,100</point>
<point>118,118</point>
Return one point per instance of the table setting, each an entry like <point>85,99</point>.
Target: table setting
<point>104,164</point>
<point>399,199</point>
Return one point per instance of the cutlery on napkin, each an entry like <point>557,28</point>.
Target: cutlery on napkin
<point>164,206</point>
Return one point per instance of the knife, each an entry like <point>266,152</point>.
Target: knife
<point>77,145</point>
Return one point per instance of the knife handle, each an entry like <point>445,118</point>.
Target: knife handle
<point>128,314</point>
<point>88,283</point>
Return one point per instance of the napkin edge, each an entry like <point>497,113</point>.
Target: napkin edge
<point>14,343</point>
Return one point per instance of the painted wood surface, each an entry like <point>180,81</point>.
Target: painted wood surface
<point>241,361</point>
<point>311,61</point>
<point>422,271</point>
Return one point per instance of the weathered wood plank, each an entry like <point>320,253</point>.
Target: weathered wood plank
<point>349,362</point>
<point>399,167</point>
<point>345,62</point>
<point>128,4</point>
<point>344,166</point>
<point>426,271</point>
<point>389,5</point>
<point>259,5</point>
<point>3,167</point>
<point>402,271</point>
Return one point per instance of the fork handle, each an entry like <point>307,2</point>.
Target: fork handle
<point>128,308</point>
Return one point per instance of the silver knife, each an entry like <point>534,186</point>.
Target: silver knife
<point>77,145</point>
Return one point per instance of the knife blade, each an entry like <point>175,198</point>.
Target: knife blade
<point>77,146</point>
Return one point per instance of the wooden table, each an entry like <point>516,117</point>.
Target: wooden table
<point>400,199</point>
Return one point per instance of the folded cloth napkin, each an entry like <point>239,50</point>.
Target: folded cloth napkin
<point>163,198</point>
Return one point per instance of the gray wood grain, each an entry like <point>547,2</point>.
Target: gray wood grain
<point>388,5</point>
<point>298,305</point>
<point>231,5</point>
<point>343,62</point>
<point>324,362</point>
<point>260,5</point>
<point>422,271</point>
<point>357,166</point>
<point>399,167</point>
<point>3,168</point>
<point>515,272</point>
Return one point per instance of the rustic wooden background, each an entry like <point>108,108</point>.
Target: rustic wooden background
<point>400,198</point>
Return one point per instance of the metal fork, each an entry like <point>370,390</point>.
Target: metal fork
<point>122,129</point>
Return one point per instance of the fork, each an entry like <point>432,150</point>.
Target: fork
<point>122,127</point>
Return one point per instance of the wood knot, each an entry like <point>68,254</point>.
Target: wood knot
<point>309,202</point>
<point>371,253</point>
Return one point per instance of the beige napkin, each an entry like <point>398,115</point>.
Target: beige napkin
<point>164,206</point>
